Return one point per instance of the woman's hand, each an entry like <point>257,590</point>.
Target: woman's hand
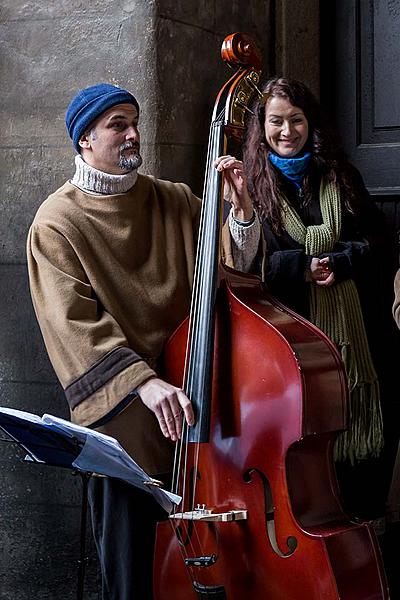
<point>321,272</point>
<point>235,187</point>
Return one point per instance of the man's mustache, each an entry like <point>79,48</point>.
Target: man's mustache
<point>128,145</point>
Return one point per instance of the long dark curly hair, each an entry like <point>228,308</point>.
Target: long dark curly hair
<point>326,156</point>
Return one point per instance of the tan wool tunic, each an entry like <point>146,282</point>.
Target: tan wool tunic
<point>111,279</point>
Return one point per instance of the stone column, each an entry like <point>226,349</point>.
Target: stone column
<point>298,41</point>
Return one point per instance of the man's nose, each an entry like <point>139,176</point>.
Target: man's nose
<point>132,133</point>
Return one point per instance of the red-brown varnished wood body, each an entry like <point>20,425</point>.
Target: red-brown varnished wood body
<point>279,401</point>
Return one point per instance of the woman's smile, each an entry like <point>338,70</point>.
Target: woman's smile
<point>286,127</point>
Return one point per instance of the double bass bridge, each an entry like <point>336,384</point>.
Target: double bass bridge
<point>201,513</point>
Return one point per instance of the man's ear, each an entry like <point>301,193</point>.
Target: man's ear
<point>85,141</point>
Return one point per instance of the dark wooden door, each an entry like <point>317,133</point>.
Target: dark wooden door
<point>360,60</point>
<point>366,92</point>
<point>368,89</point>
<point>367,107</point>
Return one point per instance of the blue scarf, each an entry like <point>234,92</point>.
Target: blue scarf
<point>292,168</point>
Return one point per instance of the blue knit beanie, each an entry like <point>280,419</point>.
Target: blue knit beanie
<point>89,104</point>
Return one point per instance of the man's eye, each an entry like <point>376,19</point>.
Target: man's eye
<point>118,126</point>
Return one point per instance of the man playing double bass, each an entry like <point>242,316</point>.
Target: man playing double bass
<point>111,256</point>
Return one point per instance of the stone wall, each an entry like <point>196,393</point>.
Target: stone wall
<point>167,53</point>
<point>297,37</point>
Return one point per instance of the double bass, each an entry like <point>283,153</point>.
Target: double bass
<point>261,515</point>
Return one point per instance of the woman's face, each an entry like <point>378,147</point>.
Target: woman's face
<point>286,127</point>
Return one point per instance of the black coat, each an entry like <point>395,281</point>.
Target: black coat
<point>356,255</point>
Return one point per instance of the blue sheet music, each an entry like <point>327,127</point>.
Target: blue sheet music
<point>58,442</point>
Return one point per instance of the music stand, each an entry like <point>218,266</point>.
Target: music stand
<point>45,446</point>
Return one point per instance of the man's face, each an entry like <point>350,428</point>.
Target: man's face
<point>113,143</point>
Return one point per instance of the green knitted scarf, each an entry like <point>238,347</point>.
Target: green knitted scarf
<point>337,312</point>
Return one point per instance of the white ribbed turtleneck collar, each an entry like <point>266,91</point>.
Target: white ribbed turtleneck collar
<point>91,180</point>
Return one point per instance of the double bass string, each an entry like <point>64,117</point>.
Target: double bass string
<point>196,342</point>
<point>192,341</point>
<point>206,292</point>
<point>199,344</point>
<point>208,274</point>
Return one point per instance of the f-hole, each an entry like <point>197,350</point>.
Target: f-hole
<point>269,511</point>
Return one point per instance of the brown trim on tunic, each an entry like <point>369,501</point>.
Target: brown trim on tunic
<point>98,374</point>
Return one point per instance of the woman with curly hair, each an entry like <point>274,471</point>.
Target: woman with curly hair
<point>320,235</point>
